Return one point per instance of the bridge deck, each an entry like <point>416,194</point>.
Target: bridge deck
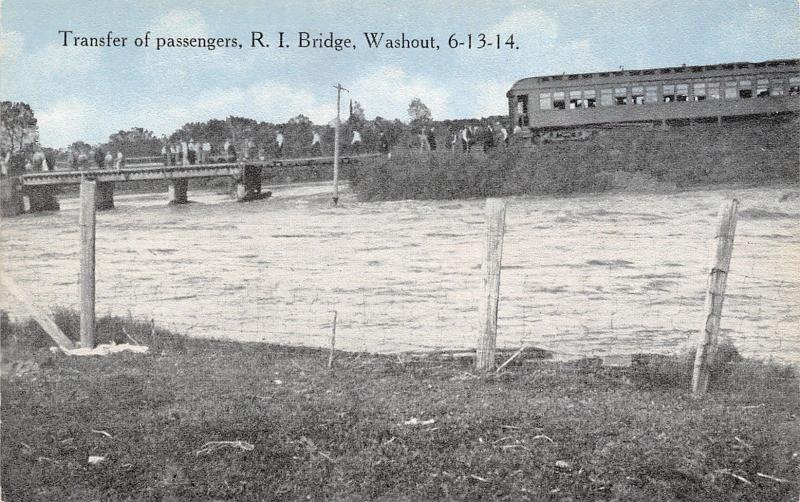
<point>150,172</point>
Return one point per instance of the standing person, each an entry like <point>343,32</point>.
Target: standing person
<point>454,142</point>
<point>423,140</point>
<point>206,146</point>
<point>316,140</point>
<point>465,138</point>
<point>431,139</point>
<point>488,138</point>
<point>73,159</point>
<point>37,161</point>
<point>120,161</point>
<point>383,145</point>
<point>279,144</point>
<point>165,154</point>
<point>50,159</point>
<point>108,160</point>
<point>99,157</point>
<point>226,150</point>
<point>192,152</point>
<point>355,144</point>
<point>503,134</point>
<point>184,154</point>
<point>4,157</point>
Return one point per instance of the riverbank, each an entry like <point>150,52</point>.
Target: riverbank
<point>755,152</point>
<point>380,427</point>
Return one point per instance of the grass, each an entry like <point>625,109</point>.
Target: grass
<point>756,151</point>
<point>541,430</point>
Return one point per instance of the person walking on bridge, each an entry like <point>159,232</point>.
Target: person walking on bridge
<point>279,144</point>
<point>383,145</point>
<point>120,161</point>
<point>99,157</point>
<point>108,161</point>
<point>316,141</point>
<point>355,144</point>
<point>206,149</point>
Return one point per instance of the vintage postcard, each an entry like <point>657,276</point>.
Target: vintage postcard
<point>422,250</point>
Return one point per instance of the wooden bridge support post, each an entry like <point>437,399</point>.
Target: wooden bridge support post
<point>490,270</point>
<point>178,191</point>
<point>41,198</point>
<point>248,187</point>
<point>715,295</point>
<point>105,195</point>
<point>86,221</point>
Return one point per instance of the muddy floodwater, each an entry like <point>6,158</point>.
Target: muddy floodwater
<point>593,274</point>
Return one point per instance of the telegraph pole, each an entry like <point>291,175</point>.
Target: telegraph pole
<point>339,90</point>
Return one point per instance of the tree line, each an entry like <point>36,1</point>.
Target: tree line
<point>19,134</point>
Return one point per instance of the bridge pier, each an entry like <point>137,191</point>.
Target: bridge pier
<point>105,195</point>
<point>40,198</point>
<point>248,187</point>
<point>178,191</point>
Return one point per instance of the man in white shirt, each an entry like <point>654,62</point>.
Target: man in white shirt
<point>279,143</point>
<point>318,142</point>
<point>355,144</point>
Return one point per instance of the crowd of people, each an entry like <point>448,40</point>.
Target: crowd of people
<point>470,137</point>
<point>483,137</point>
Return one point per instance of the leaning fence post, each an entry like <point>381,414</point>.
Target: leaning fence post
<point>492,258</point>
<point>715,295</point>
<point>87,224</point>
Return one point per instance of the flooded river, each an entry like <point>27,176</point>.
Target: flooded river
<point>594,274</point>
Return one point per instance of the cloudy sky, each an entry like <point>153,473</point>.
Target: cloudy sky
<point>88,93</point>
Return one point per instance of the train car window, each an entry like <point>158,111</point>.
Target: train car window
<point>589,100</point>
<point>651,94</point>
<point>699,92</point>
<point>620,96</point>
<point>575,100</point>
<point>713,90</point>
<point>606,98</point>
<point>730,90</point>
<point>682,92</point>
<point>669,93</point>
<point>794,86</point>
<point>637,95</point>
<point>558,101</point>
<point>544,101</point>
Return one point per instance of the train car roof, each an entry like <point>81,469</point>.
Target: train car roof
<point>647,73</point>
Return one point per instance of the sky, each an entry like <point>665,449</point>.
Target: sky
<point>88,93</point>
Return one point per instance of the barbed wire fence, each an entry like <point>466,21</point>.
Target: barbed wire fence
<point>402,290</point>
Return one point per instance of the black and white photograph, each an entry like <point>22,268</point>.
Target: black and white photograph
<point>400,251</point>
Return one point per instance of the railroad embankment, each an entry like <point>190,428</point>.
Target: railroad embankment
<point>754,151</point>
<point>204,419</point>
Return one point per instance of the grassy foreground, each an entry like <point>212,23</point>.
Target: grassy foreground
<point>538,431</point>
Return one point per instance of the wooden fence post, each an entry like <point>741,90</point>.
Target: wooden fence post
<point>87,224</point>
<point>492,259</point>
<point>715,295</point>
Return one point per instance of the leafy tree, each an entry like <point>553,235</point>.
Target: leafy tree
<point>136,142</point>
<point>80,147</point>
<point>419,112</point>
<point>18,126</point>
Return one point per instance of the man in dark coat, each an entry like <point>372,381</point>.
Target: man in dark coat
<point>99,157</point>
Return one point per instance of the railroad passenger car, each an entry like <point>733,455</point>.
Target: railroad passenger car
<point>656,95</point>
